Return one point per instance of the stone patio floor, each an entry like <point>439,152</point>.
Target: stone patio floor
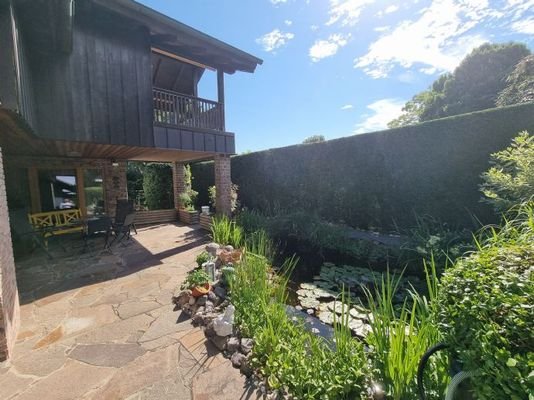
<point>96,325</point>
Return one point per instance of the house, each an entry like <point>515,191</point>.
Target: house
<point>85,86</point>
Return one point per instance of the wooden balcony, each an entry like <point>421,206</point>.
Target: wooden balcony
<point>189,123</point>
<point>171,108</point>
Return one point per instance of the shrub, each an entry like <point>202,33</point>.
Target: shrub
<point>510,181</point>
<point>225,231</point>
<point>234,202</point>
<point>157,186</point>
<point>487,314</point>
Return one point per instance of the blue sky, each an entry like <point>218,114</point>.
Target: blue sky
<point>340,67</point>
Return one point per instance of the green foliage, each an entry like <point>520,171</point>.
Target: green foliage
<point>520,84</point>
<point>399,338</point>
<point>227,275</point>
<point>486,310</point>
<point>234,201</point>
<point>188,197</point>
<point>157,186</point>
<point>202,258</point>
<point>195,278</point>
<point>314,139</point>
<point>433,239</point>
<point>474,85</point>
<point>290,358</point>
<point>226,232</point>
<point>510,181</point>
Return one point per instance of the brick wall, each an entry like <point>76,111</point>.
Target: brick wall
<point>223,184</point>
<point>115,184</point>
<point>9,299</point>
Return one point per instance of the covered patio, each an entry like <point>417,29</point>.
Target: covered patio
<point>101,325</point>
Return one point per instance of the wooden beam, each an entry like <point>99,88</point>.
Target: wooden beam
<point>220,94</point>
<point>180,58</point>
<point>35,194</point>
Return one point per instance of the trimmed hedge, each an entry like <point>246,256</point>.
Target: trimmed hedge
<point>381,179</point>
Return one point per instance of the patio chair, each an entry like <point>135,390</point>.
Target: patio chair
<point>121,232</point>
<point>124,207</point>
<point>97,226</point>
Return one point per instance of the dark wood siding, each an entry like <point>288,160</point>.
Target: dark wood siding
<point>102,91</point>
<point>176,138</point>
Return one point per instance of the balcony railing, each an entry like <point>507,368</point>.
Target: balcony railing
<point>182,110</point>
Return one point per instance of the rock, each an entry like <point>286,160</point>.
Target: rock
<point>212,248</point>
<point>182,298</point>
<point>246,345</point>
<point>218,341</point>
<point>202,300</point>
<point>246,369</point>
<point>209,306</point>
<point>192,300</point>
<point>232,345</point>
<point>224,324</point>
<point>310,311</point>
<point>298,308</point>
<point>209,331</point>
<point>213,298</point>
<point>220,292</point>
<point>237,359</point>
<point>228,248</point>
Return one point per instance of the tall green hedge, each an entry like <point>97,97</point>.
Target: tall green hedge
<point>381,179</point>
<point>157,186</point>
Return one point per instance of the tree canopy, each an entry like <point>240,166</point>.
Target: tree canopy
<point>314,139</point>
<point>475,84</point>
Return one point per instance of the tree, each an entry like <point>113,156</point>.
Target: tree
<point>314,139</point>
<point>474,85</point>
<point>157,186</point>
<point>520,84</point>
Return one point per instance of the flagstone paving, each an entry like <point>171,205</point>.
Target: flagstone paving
<point>102,326</point>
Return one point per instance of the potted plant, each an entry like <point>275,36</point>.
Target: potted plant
<point>198,282</point>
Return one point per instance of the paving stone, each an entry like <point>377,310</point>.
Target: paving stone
<point>73,381</point>
<point>116,331</point>
<point>41,362</point>
<point>136,307</point>
<point>166,324</point>
<point>106,355</point>
<point>222,383</point>
<point>50,338</point>
<point>12,384</point>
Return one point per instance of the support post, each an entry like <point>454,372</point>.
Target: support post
<point>115,184</point>
<point>223,184</point>
<point>9,296</point>
<point>178,182</point>
<point>220,95</point>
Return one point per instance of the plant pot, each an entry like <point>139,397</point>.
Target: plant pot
<point>188,217</point>
<point>201,290</point>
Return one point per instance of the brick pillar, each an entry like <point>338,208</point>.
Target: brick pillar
<point>115,184</point>
<point>223,184</point>
<point>178,182</point>
<point>9,296</point>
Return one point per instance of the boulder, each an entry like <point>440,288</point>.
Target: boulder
<point>182,298</point>
<point>212,248</point>
<point>246,345</point>
<point>224,324</point>
<point>232,345</point>
<point>220,292</point>
<point>238,359</point>
<point>202,300</point>
<point>219,342</point>
<point>245,368</point>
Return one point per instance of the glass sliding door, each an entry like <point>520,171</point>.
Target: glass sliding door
<point>58,190</point>
<point>93,187</point>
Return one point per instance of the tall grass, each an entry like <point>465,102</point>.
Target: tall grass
<point>290,358</point>
<point>400,337</point>
<point>226,232</point>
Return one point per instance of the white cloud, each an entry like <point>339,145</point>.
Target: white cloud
<point>346,107</point>
<point>288,22</point>
<point>314,27</point>
<point>327,48</point>
<point>346,11</point>
<point>382,28</point>
<point>383,111</point>
<point>274,39</point>
<point>438,39</point>
<point>276,2</point>
<point>391,9</point>
<point>525,26</point>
